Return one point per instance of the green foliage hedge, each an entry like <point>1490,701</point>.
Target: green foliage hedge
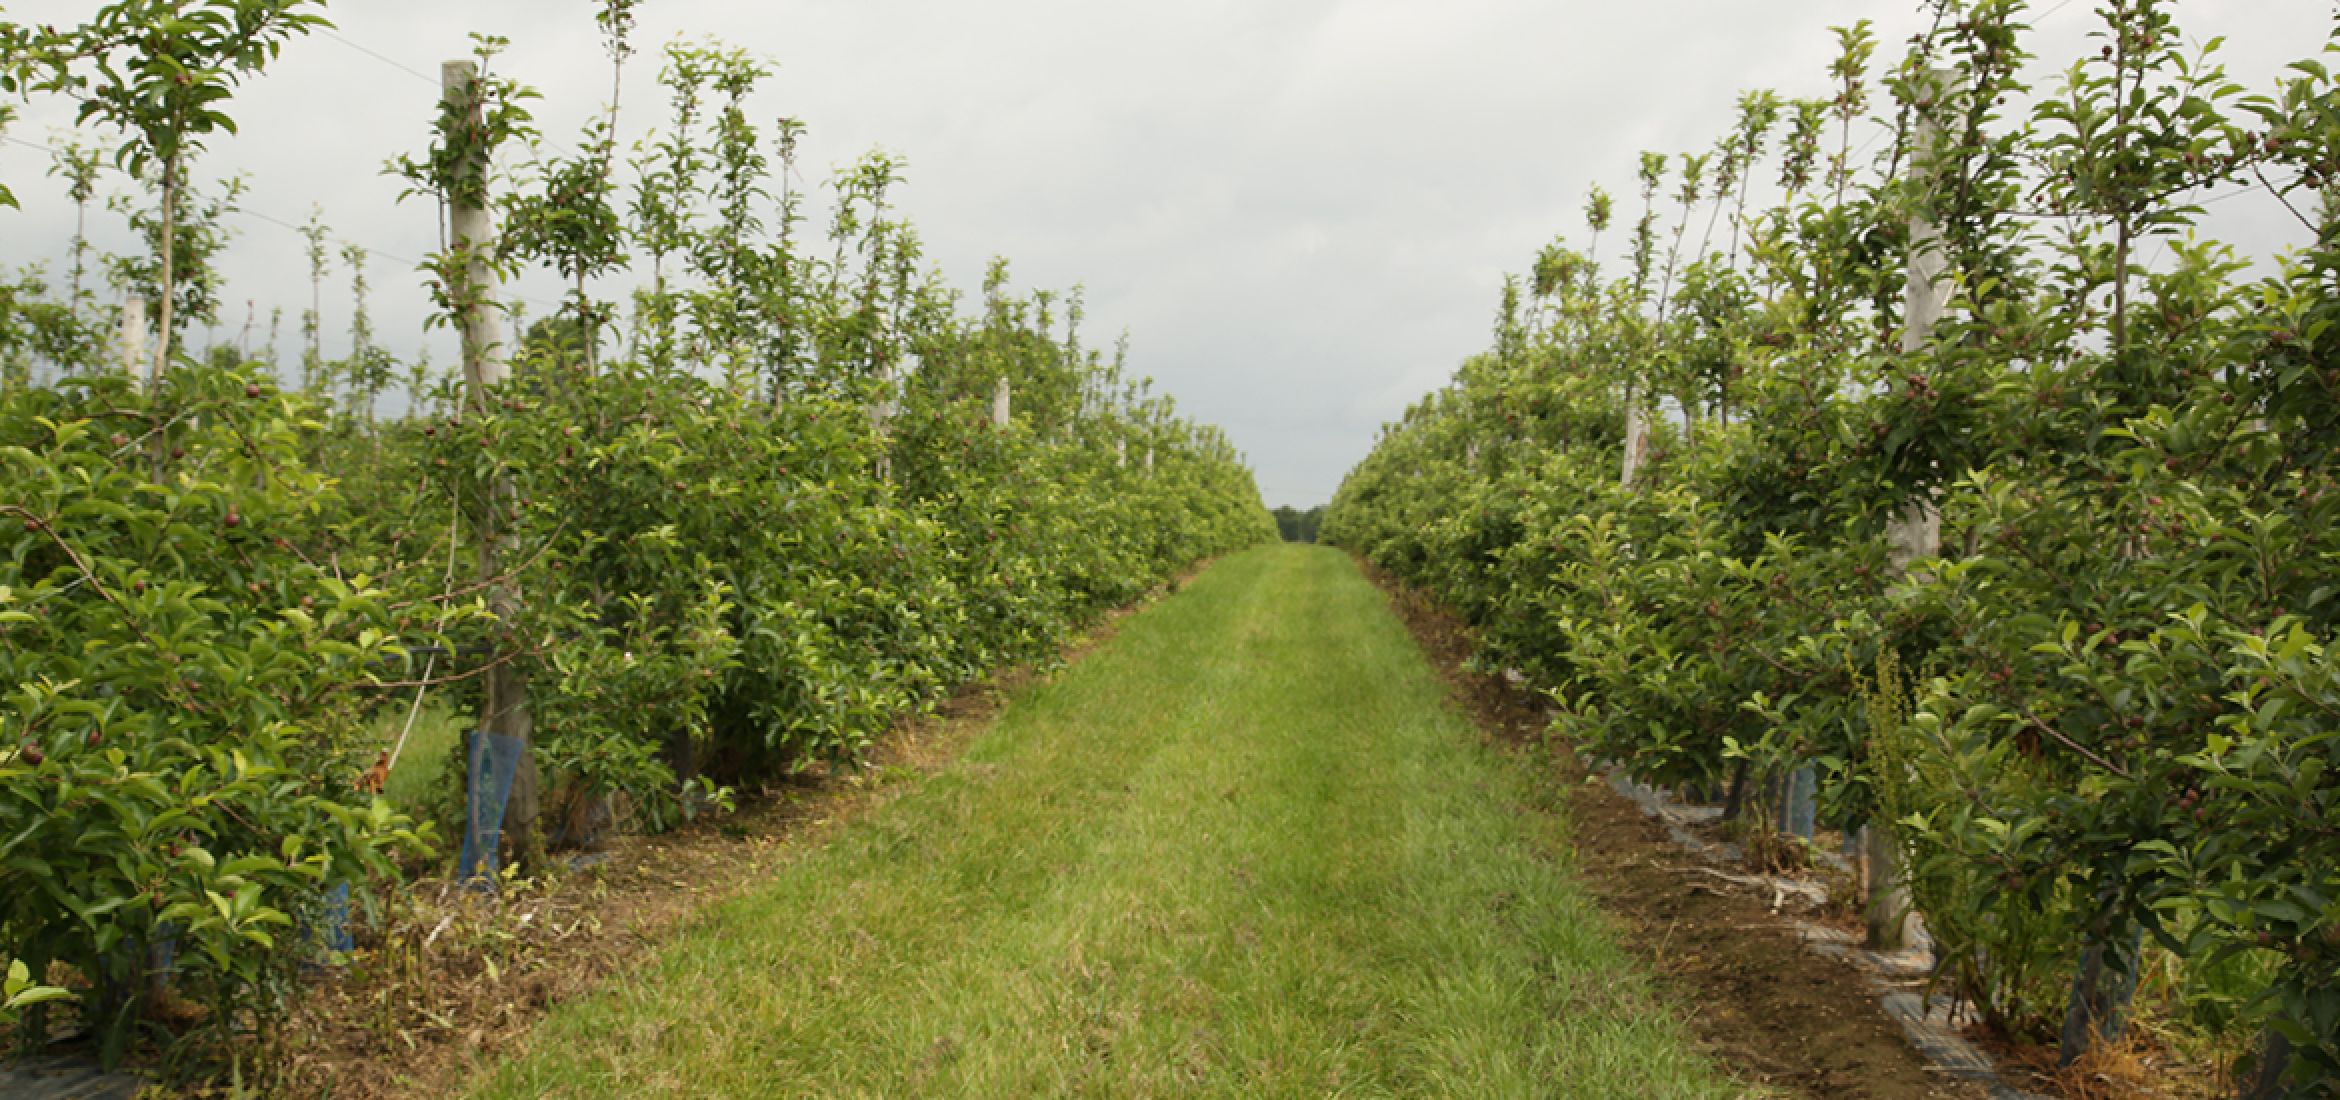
<point>183,683</point>
<point>733,532</point>
<point>2108,704</point>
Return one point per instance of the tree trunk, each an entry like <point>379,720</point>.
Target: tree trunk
<point>2274,1062</point>
<point>1735,799</point>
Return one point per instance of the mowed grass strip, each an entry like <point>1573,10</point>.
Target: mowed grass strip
<point>1245,849</point>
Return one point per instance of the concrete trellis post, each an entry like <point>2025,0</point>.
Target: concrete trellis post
<point>1636,437</point>
<point>1636,448</point>
<point>1001,399</point>
<point>881,420</point>
<point>473,230</point>
<point>501,754</point>
<point>133,340</point>
<point>1916,533</point>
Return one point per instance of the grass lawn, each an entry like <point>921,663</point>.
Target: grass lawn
<point>1245,849</point>
<point>438,730</point>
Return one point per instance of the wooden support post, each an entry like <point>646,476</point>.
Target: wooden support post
<point>471,226</point>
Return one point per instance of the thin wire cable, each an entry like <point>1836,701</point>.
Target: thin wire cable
<point>418,74</point>
<point>2051,12</point>
<point>370,251</point>
<point>385,59</point>
<point>2234,194</point>
<point>1882,130</point>
<point>415,708</point>
<point>262,215</point>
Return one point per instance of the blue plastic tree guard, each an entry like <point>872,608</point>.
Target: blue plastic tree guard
<point>1798,811</point>
<point>495,762</point>
<point>162,952</point>
<point>335,919</point>
<point>2102,986</point>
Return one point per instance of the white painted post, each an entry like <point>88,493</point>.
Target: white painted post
<point>473,229</point>
<point>471,225</point>
<point>133,340</point>
<point>1636,448</point>
<point>1916,533</point>
<point>1000,398</point>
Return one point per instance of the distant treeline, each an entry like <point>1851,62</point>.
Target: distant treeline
<point>1299,526</point>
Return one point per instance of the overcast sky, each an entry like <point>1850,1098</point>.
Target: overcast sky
<point>1301,210</point>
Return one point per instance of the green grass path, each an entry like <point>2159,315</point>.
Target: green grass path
<point>1245,849</point>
